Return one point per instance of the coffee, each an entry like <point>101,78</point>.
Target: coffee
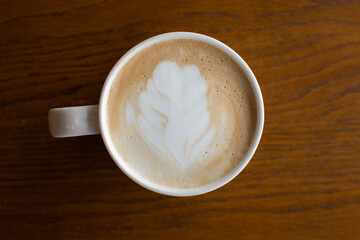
<point>181,113</point>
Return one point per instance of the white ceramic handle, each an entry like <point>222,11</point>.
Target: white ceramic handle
<point>74,121</point>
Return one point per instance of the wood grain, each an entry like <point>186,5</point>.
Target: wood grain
<point>302,183</point>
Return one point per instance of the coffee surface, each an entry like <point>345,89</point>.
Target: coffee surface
<point>181,113</point>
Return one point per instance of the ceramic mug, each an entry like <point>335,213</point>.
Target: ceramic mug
<point>88,120</point>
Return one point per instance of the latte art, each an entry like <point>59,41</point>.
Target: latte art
<point>180,113</point>
<point>174,118</point>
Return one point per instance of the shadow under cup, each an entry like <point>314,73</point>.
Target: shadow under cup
<point>135,176</point>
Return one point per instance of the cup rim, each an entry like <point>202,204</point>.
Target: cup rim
<point>170,190</point>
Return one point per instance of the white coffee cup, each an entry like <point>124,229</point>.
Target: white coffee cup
<point>89,120</point>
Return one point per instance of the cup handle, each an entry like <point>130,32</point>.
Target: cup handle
<point>74,121</point>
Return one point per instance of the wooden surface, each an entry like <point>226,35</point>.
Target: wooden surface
<point>302,183</point>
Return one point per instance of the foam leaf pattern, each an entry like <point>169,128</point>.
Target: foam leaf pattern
<point>174,118</point>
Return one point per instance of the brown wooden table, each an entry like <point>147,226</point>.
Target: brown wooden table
<point>302,183</point>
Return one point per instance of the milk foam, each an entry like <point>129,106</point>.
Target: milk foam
<point>174,118</point>
<point>181,113</point>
